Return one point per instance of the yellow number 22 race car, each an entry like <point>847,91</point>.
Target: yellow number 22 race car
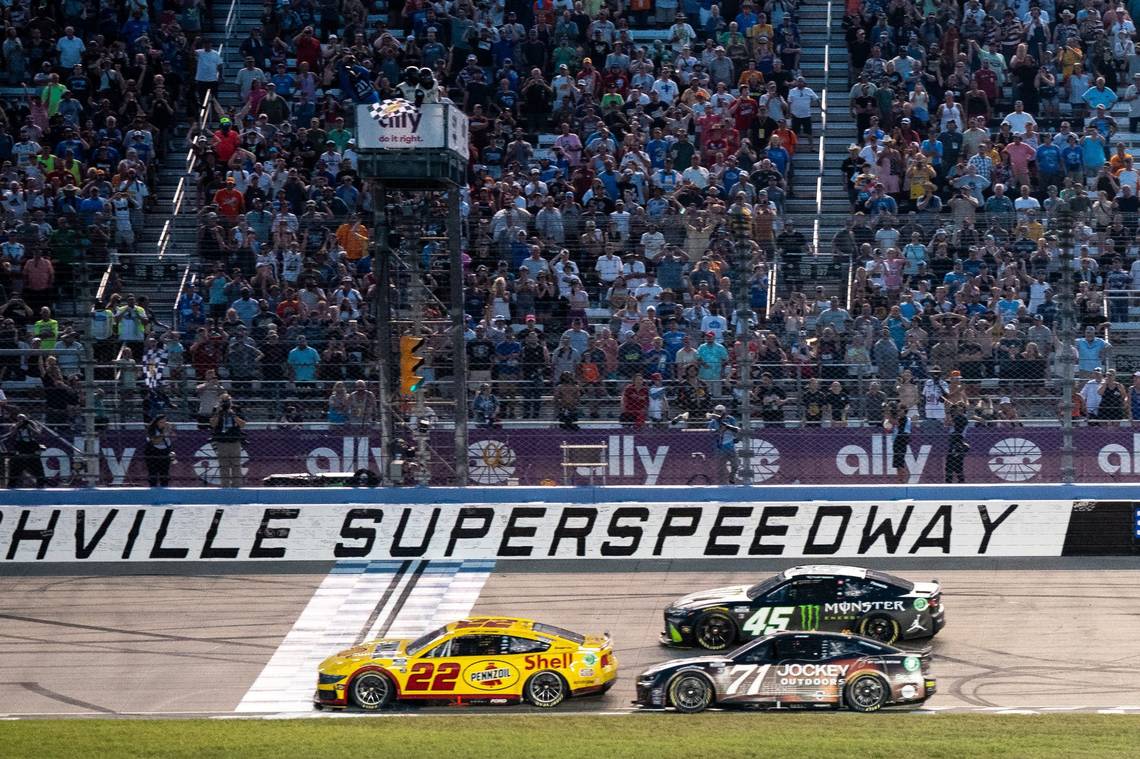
<point>478,660</point>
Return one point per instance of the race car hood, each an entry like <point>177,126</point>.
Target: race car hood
<point>680,663</point>
<point>726,595</point>
<point>377,649</point>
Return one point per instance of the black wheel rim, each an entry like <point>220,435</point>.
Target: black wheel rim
<point>715,632</point>
<point>867,693</point>
<point>546,689</point>
<point>691,693</point>
<point>879,629</point>
<point>371,691</point>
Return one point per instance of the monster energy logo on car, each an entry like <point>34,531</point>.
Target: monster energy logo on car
<point>809,617</point>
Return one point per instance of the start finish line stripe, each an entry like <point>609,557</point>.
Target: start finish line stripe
<point>354,603</point>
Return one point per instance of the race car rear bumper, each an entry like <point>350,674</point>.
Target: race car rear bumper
<point>594,690</point>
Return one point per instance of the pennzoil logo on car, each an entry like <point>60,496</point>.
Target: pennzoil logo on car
<point>491,675</point>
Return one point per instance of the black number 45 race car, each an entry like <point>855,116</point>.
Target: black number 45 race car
<point>829,670</point>
<point>836,598</point>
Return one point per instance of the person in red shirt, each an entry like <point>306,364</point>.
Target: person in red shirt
<point>308,49</point>
<point>635,402</point>
<point>744,110</point>
<point>1020,156</point>
<point>226,141</point>
<point>229,201</point>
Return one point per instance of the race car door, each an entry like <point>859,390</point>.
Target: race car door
<point>491,664</point>
<point>748,679</point>
<point>795,605</point>
<point>803,672</point>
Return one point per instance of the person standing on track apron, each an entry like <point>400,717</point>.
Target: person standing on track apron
<point>957,421</point>
<point>899,423</point>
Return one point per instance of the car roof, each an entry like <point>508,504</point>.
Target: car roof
<point>494,625</point>
<point>825,569</point>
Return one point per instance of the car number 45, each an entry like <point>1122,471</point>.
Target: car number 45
<point>769,619</point>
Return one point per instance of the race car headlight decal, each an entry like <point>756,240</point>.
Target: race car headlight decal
<point>674,635</point>
<point>324,679</point>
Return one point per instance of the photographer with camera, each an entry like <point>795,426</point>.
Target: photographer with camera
<point>226,433</point>
<point>23,447</point>
<point>726,428</point>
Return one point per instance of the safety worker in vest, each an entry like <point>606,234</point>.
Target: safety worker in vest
<point>46,329</point>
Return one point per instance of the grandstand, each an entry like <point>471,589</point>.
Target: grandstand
<point>616,149</point>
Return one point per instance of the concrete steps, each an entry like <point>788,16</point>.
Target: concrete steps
<point>157,277</point>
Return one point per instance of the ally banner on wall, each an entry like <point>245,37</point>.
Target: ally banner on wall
<point>643,457</point>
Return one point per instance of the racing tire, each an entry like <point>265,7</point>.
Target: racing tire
<point>866,693</point>
<point>546,689</point>
<point>881,628</point>
<point>715,631</point>
<point>372,691</point>
<point>691,692</point>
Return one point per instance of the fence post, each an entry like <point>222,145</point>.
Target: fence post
<point>1066,218</point>
<point>381,267</point>
<point>459,339</point>
<point>90,438</point>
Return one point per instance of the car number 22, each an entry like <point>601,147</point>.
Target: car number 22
<point>769,619</point>
<point>420,676</point>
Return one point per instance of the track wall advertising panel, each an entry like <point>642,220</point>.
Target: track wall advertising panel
<point>855,456</point>
<point>316,531</point>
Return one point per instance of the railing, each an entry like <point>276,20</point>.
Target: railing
<point>188,280</point>
<point>1117,307</point>
<point>822,151</point>
<point>184,182</point>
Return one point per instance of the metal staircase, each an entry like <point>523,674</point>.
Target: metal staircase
<point>167,244</point>
<point>820,206</point>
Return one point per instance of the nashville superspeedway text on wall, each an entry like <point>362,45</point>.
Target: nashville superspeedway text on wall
<point>326,531</point>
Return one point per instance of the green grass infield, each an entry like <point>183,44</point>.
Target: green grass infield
<point>661,736</point>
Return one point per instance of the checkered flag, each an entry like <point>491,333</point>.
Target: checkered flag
<point>390,108</point>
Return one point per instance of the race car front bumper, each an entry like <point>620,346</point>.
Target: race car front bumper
<point>678,631</point>
<point>330,697</point>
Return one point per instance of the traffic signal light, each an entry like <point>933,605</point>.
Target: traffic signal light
<point>410,363</point>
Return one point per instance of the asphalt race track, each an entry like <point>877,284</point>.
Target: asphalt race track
<point>183,639</point>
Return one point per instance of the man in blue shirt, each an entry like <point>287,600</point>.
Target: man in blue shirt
<point>508,369</point>
<point>1099,95</point>
<point>1049,162</point>
<point>303,362</point>
<point>657,149</point>
<point>673,338</point>
<point>1091,352</point>
<point>712,357</point>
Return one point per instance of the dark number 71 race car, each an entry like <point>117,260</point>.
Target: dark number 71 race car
<point>836,598</point>
<point>831,670</point>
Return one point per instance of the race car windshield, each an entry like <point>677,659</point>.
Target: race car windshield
<point>422,642</point>
<point>552,630</point>
<point>877,576</point>
<point>763,587</point>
